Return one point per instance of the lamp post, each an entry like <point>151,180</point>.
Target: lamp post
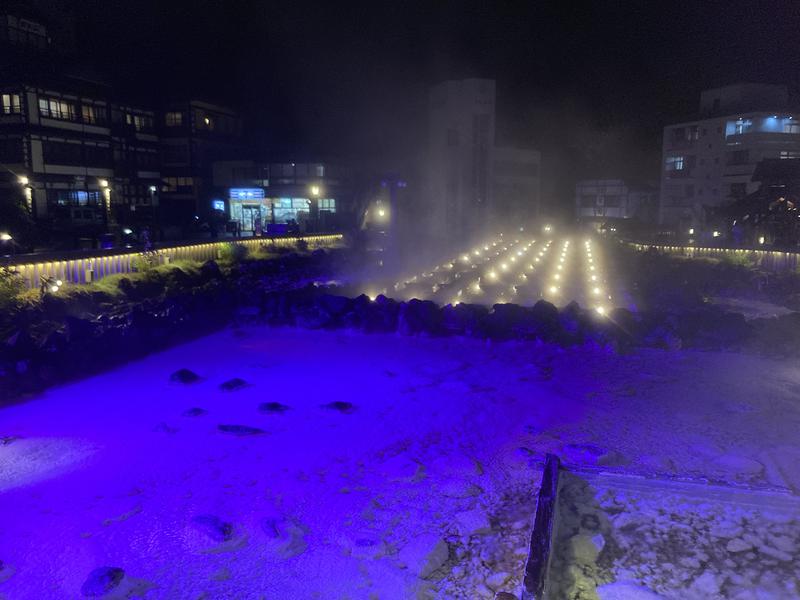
<point>313,207</point>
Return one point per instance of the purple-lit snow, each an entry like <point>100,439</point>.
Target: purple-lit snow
<point>423,488</point>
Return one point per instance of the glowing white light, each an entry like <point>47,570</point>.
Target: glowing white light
<point>5,237</point>
<point>559,267</point>
<point>492,275</point>
<point>54,289</point>
<point>594,278</point>
<point>476,288</point>
<point>761,240</point>
<point>536,259</point>
<point>486,247</point>
<point>504,266</point>
<point>596,291</point>
<point>553,289</point>
<point>476,252</point>
<point>601,310</point>
<point>465,258</point>
<point>716,234</point>
<point>59,283</point>
<point>557,276</point>
<point>591,268</point>
<point>691,231</point>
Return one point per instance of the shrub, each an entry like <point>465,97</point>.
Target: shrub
<point>11,288</point>
<point>232,253</point>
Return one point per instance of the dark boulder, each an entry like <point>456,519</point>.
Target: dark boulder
<point>381,315</point>
<point>419,316</point>
<point>240,430</point>
<point>465,319</point>
<point>210,270</point>
<point>195,412</point>
<point>272,407</point>
<point>340,406</point>
<point>507,321</point>
<point>233,385</point>
<point>544,321</point>
<point>101,581</point>
<point>184,376</point>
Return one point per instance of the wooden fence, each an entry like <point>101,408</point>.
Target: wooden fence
<point>81,270</point>
<point>770,260</point>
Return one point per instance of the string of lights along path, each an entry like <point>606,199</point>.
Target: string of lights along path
<point>522,271</point>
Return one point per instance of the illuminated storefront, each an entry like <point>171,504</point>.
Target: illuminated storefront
<point>254,211</point>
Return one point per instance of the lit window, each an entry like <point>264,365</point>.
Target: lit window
<point>89,114</point>
<point>173,119</point>
<point>328,204</point>
<point>56,109</point>
<point>675,163</point>
<point>11,104</point>
<point>787,127</point>
<point>742,125</point>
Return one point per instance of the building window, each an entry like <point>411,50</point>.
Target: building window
<point>139,122</point>
<point>675,163</point>
<point>738,157</point>
<point>11,104</point>
<point>787,127</point>
<point>77,198</point>
<point>328,204</point>
<point>742,126</point>
<point>790,154</point>
<point>62,153</point>
<point>93,114</point>
<point>173,119</point>
<point>693,132</point>
<point>175,154</point>
<point>53,108</point>
<point>179,184</point>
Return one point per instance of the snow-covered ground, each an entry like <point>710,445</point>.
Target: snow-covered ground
<point>399,468</point>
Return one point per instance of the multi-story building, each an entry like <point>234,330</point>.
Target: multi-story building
<point>313,195</point>
<point>82,162</point>
<point>461,132</point>
<point>607,200</point>
<point>194,135</point>
<point>709,161</point>
<point>517,187</point>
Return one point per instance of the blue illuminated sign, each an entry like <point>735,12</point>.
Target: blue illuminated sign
<point>247,193</point>
<point>218,205</point>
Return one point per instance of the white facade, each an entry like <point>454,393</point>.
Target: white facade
<point>605,199</point>
<point>461,130</point>
<point>710,161</point>
<point>517,187</point>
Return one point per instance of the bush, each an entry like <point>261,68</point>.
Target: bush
<point>145,261</point>
<point>232,253</point>
<point>302,245</point>
<point>11,288</point>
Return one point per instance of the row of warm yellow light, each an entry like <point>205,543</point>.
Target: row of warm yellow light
<point>495,274</point>
<point>594,279</point>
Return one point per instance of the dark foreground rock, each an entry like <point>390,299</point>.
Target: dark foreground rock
<point>233,385</point>
<point>185,376</point>
<point>272,407</point>
<point>240,430</point>
<point>101,581</point>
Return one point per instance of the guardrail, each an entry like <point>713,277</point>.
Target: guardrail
<point>770,260</point>
<point>81,270</point>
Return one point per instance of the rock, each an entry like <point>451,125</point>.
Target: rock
<point>583,453</point>
<point>545,321</point>
<point>340,406</point>
<point>290,535</point>
<point>472,522</point>
<point>584,549</point>
<point>625,590</point>
<point>496,580</point>
<point>272,407</point>
<point>101,581</point>
<point>233,385</point>
<point>738,545</point>
<point>505,596</point>
<point>184,376</point>
<point>381,315</point>
<point>465,319</point>
<point>507,321</point>
<point>210,270</point>
<point>194,412</point>
<point>213,527</point>
<point>419,316</point>
<point>240,430</point>
<point>8,439</point>
<point>424,554</point>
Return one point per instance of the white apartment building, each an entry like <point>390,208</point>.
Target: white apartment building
<point>517,187</point>
<point>461,129</point>
<point>603,200</point>
<point>709,161</point>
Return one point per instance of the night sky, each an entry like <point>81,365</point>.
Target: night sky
<point>591,85</point>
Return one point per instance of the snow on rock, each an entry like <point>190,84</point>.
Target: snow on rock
<point>472,522</point>
<point>213,527</point>
<point>626,590</point>
<point>424,554</point>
